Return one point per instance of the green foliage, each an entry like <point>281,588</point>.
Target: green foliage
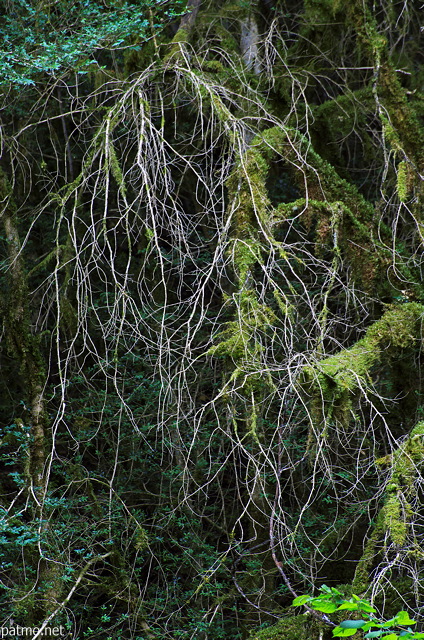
<point>331,600</point>
<point>44,38</point>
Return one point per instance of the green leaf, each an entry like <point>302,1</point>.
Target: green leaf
<point>389,623</point>
<point>374,634</point>
<point>352,624</point>
<point>370,624</point>
<point>391,636</point>
<point>339,632</point>
<point>325,588</point>
<point>363,605</point>
<point>323,605</point>
<point>349,606</point>
<point>301,600</point>
<point>403,618</point>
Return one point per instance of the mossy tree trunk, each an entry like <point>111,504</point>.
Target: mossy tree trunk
<point>24,349</point>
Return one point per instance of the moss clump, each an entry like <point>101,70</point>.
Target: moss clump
<point>334,383</point>
<point>141,539</point>
<point>401,182</point>
<point>245,254</point>
<point>396,513</point>
<point>250,211</point>
<point>247,185</point>
<point>399,327</point>
<point>404,462</point>
<point>237,340</point>
<point>180,39</point>
<point>403,118</point>
<point>300,627</point>
<point>213,66</point>
<point>324,192</point>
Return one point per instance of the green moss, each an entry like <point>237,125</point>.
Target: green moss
<point>333,123</point>
<point>249,199</point>
<point>398,328</point>
<point>395,515</point>
<point>402,127</point>
<point>403,119</point>
<point>391,135</point>
<point>115,169</point>
<point>335,382</point>
<point>245,254</point>
<point>213,66</point>
<point>227,40</point>
<point>285,307</point>
<point>326,192</point>
<point>320,11</point>
<point>234,343</point>
<point>250,234</point>
<point>237,340</point>
<point>141,539</point>
<point>300,627</point>
<point>361,579</point>
<point>404,463</point>
<point>178,41</point>
<point>402,181</point>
